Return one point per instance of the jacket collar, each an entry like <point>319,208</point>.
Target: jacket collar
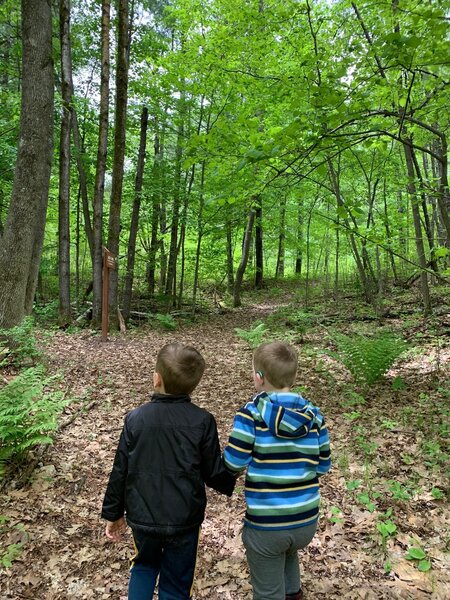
<point>170,398</point>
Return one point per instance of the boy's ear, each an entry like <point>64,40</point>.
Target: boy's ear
<point>259,377</point>
<point>157,380</point>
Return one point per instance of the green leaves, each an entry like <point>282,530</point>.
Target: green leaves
<point>28,413</point>
<point>417,554</point>
<point>368,358</point>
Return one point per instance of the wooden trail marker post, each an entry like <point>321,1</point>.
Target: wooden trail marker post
<point>109,262</point>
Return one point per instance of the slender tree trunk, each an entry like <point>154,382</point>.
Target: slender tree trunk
<point>181,245</point>
<point>299,255</point>
<point>199,236</point>
<point>359,263</point>
<point>77,250</point>
<point>279,271</point>
<point>99,186</point>
<point>417,227</point>
<point>229,234</point>
<point>64,165</point>
<point>21,243</point>
<point>82,177</point>
<point>123,41</point>
<point>172,262</point>
<point>135,216</point>
<point>336,261</point>
<point>244,259</point>
<point>388,233</point>
<point>259,252</point>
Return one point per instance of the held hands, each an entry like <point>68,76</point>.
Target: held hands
<point>115,529</point>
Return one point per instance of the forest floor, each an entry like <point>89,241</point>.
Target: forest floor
<point>385,493</point>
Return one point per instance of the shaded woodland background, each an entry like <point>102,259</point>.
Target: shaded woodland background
<point>210,144</point>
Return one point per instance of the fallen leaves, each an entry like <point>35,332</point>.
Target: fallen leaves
<point>64,555</point>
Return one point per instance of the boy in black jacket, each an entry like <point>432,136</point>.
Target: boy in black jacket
<point>168,451</point>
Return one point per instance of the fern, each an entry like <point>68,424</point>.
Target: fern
<point>253,336</point>
<point>28,414</point>
<point>368,358</point>
<point>18,344</point>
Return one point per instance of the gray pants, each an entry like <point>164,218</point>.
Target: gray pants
<point>273,561</point>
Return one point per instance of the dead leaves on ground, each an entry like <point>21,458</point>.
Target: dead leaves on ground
<point>54,520</point>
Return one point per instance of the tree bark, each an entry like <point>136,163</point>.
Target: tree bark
<point>259,252</point>
<point>417,228</point>
<point>123,41</point>
<point>128,291</point>
<point>244,259</point>
<point>99,187</point>
<point>230,273</point>
<point>21,243</point>
<point>64,165</point>
<point>279,271</point>
<point>173,250</point>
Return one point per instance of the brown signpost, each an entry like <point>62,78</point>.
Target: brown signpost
<point>109,262</point>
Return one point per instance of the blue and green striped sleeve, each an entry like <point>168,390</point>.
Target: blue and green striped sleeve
<point>324,451</point>
<point>238,452</point>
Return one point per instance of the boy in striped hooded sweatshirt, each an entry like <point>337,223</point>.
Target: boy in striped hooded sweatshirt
<point>282,441</point>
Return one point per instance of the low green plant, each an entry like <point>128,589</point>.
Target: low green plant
<point>166,321</point>
<point>18,344</point>
<point>365,499</point>
<point>28,413</point>
<point>353,484</point>
<point>11,553</point>
<point>419,556</point>
<point>437,494</point>
<point>253,336</point>
<point>367,358</point>
<point>336,515</point>
<point>352,399</point>
<point>386,528</point>
<point>47,314</point>
<point>399,491</point>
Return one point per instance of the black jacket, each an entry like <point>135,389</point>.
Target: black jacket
<point>167,451</point>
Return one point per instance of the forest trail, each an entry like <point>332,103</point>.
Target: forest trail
<point>65,555</point>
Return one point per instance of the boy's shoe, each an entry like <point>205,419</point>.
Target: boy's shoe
<point>297,596</point>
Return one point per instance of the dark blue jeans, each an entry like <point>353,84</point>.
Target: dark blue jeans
<point>173,558</point>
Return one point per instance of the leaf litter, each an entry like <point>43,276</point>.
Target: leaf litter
<point>54,518</point>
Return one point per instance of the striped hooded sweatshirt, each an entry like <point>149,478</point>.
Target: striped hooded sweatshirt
<point>282,440</point>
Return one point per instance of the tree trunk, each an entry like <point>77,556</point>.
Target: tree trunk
<point>230,273</point>
<point>21,243</point>
<point>299,255</point>
<point>417,227</point>
<point>199,235</point>
<point>64,165</point>
<point>279,271</point>
<point>259,256</point>
<point>172,261</point>
<point>244,259</point>
<point>135,216</point>
<point>99,187</point>
<point>359,263</point>
<point>120,121</point>
<point>82,177</point>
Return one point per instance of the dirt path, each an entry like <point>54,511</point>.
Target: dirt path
<point>65,555</point>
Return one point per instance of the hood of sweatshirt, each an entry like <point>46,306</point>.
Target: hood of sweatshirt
<point>287,415</point>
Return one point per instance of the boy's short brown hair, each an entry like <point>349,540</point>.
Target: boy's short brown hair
<point>278,363</point>
<point>181,368</point>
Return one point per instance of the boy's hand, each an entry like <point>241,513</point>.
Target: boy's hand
<point>115,529</point>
